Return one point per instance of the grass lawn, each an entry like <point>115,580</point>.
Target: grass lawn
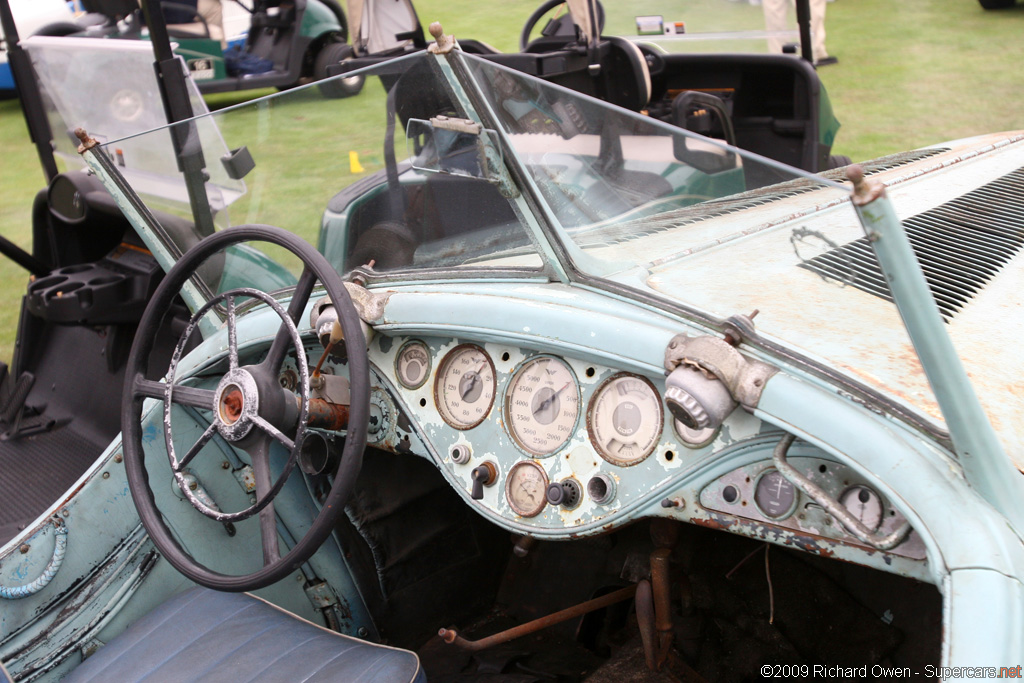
<point>910,73</point>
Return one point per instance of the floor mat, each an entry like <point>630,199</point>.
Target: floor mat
<point>36,470</point>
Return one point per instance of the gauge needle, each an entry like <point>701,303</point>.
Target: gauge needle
<point>473,377</point>
<point>546,403</point>
<point>528,492</point>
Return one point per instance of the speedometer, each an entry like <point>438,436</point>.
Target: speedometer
<point>625,419</point>
<point>464,390</point>
<point>542,405</point>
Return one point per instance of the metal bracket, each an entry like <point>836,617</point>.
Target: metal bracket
<point>745,378</point>
<point>833,506</point>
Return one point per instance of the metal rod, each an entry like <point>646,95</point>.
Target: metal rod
<point>645,622</point>
<point>985,463</point>
<point>452,637</point>
<point>662,601</point>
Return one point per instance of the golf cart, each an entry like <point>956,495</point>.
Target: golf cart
<point>770,104</point>
<point>513,418</point>
<point>288,41</point>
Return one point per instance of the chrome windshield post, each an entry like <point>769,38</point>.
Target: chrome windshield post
<point>985,464</point>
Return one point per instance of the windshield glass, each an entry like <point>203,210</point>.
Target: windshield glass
<point>450,167</point>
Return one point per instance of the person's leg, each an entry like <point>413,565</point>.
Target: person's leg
<point>775,20</point>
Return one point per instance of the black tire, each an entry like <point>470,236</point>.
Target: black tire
<point>996,4</point>
<point>335,53</point>
<point>839,161</point>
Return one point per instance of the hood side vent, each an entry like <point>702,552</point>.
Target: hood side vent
<point>961,245</point>
<point>670,220</point>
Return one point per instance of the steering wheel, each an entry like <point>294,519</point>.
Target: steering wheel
<point>545,7</point>
<point>251,410</point>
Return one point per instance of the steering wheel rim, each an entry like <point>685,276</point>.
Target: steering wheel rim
<point>138,388</point>
<point>544,8</point>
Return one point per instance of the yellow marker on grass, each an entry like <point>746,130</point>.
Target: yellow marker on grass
<point>353,162</point>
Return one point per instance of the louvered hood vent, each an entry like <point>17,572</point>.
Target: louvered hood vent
<point>961,245</point>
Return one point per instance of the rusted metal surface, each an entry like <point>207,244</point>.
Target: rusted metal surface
<point>645,622</point>
<point>660,587</point>
<point>329,416</point>
<point>452,637</point>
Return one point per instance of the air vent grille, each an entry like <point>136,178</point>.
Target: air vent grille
<point>961,245</point>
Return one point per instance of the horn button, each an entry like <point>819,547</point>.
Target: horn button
<point>237,403</point>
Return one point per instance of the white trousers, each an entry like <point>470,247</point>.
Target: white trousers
<point>775,20</point>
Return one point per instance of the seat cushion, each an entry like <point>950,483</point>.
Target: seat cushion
<point>206,635</point>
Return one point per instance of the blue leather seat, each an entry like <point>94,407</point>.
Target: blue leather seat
<point>206,635</point>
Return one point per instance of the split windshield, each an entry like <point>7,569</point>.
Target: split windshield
<point>456,168</point>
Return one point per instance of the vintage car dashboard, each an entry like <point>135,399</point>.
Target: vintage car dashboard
<point>555,447</point>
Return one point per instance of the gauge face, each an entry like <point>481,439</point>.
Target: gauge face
<point>542,405</point>
<point>526,487</point>
<point>412,365</point>
<point>625,419</point>
<point>864,504</point>
<point>464,390</point>
<point>382,414</point>
<point>774,495</point>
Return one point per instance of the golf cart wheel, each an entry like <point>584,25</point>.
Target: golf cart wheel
<point>996,4</point>
<point>335,53</point>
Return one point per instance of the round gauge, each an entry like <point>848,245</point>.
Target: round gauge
<point>774,495</point>
<point>382,414</point>
<point>526,488</point>
<point>464,389</point>
<point>412,365</point>
<point>864,504</point>
<point>542,405</point>
<point>625,419</point>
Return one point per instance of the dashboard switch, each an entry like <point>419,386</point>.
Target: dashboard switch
<point>566,493</point>
<point>460,454</point>
<point>483,475</point>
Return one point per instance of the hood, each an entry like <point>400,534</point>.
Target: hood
<point>799,256</point>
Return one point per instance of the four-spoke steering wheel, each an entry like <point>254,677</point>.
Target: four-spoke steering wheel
<point>251,410</point>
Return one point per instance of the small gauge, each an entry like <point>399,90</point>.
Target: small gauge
<point>542,405</point>
<point>774,495</point>
<point>864,504</point>
<point>382,416</point>
<point>464,389</point>
<point>412,365</point>
<point>625,419</point>
<point>526,488</point>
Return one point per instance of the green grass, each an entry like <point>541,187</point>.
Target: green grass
<point>911,73</point>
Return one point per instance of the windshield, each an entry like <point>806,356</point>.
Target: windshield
<point>449,168</point>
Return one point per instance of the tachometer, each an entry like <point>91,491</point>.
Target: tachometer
<point>542,405</point>
<point>464,389</point>
<point>625,419</point>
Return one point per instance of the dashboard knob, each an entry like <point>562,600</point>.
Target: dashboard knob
<point>555,493</point>
<point>696,398</point>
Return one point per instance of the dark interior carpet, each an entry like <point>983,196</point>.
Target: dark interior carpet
<point>36,470</point>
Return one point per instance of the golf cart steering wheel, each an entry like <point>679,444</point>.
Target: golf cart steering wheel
<point>545,7</point>
<point>251,410</point>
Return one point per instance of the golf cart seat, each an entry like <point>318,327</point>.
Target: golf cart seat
<point>208,635</point>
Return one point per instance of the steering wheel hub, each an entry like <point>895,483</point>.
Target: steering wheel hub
<point>237,401</point>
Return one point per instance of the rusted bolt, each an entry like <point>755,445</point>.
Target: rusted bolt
<point>225,465</point>
<point>106,475</point>
<point>362,632</point>
<point>64,513</point>
<point>118,457</point>
<point>232,405</point>
<point>25,548</point>
<point>193,486</point>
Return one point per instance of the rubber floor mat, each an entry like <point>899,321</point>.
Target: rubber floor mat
<point>36,470</point>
